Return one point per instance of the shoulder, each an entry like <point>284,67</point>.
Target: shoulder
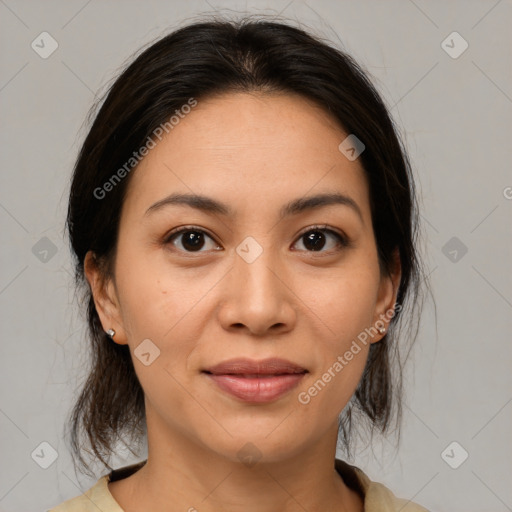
<point>380,498</point>
<point>96,498</point>
<point>377,497</point>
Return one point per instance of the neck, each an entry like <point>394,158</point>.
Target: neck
<point>196,479</point>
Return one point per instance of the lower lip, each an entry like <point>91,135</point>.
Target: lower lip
<point>257,389</point>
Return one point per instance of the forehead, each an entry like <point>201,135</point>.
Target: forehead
<point>246,149</point>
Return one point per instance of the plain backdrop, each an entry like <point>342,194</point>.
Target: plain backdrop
<point>454,107</point>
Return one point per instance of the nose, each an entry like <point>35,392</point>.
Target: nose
<point>257,297</point>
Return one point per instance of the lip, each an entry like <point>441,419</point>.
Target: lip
<point>256,381</point>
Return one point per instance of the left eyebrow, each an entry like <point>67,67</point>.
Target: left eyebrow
<point>294,207</point>
<point>308,203</point>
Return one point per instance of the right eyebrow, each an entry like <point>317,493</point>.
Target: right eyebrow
<point>203,203</point>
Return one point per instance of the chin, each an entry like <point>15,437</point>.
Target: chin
<point>266,442</point>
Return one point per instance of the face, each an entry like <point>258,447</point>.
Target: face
<point>255,271</point>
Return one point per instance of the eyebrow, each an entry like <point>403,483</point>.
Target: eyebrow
<point>294,207</point>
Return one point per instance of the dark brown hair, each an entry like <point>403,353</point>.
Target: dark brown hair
<point>199,60</point>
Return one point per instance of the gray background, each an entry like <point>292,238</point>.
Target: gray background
<point>456,119</point>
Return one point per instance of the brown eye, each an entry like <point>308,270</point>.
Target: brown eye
<point>316,239</point>
<point>190,240</point>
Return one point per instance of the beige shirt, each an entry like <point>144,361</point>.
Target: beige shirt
<point>377,497</point>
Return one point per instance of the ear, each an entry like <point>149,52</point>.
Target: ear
<point>105,298</point>
<point>386,298</point>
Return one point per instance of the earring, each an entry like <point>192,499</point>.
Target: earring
<point>110,333</point>
<point>382,330</point>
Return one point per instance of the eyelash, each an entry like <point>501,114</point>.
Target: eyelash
<point>343,241</point>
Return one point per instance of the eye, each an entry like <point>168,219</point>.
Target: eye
<point>317,238</point>
<point>190,238</point>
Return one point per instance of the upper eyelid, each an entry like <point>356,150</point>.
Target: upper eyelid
<point>184,229</point>
<point>317,227</point>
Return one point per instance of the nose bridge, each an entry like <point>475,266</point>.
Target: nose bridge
<point>256,296</point>
<point>256,264</point>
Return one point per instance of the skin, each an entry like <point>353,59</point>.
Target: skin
<point>254,152</point>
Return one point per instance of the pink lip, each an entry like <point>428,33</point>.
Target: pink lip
<point>256,381</point>
<point>257,389</point>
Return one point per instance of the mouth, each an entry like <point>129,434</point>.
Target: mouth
<point>256,381</point>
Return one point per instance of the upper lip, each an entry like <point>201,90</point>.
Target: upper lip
<point>244,366</point>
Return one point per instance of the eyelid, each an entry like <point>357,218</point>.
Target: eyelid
<point>323,227</point>
<point>183,229</point>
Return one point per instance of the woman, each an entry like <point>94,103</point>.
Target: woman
<point>243,217</point>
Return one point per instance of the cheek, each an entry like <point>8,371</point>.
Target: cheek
<point>169,307</point>
<point>164,307</point>
<point>155,298</point>
<point>344,300</point>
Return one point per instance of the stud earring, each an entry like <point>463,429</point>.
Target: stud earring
<point>110,333</point>
<point>382,330</point>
